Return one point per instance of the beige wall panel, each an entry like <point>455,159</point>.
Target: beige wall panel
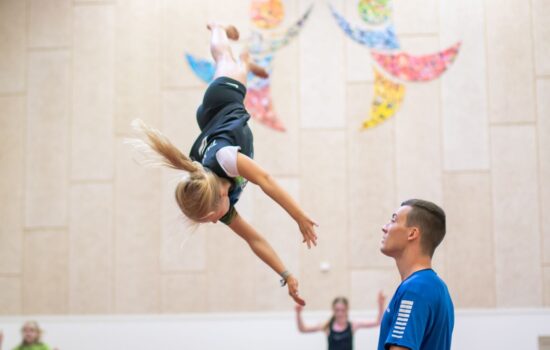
<point>180,36</point>
<point>179,119</point>
<point>516,216</point>
<point>47,139</point>
<point>137,232</point>
<point>541,33</point>
<point>509,61</point>
<point>277,151</point>
<point>469,240</point>
<point>546,281</point>
<point>371,186</point>
<point>230,271</point>
<point>543,134</point>
<point>93,93</point>
<point>418,136</point>
<point>324,198</point>
<point>50,23</point>
<point>183,247</point>
<point>463,88</point>
<point>322,85</point>
<point>184,293</point>
<point>12,158</point>
<point>365,285</point>
<point>10,302</point>
<point>238,15</point>
<point>137,62</point>
<point>91,249</point>
<point>416,16</point>
<point>283,234</point>
<point>13,42</point>
<point>439,260</point>
<point>358,62</point>
<point>93,2</point>
<point>45,272</point>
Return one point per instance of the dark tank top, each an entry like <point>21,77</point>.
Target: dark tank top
<point>340,340</point>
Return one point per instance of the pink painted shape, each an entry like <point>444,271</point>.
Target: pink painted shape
<point>260,106</point>
<point>417,68</point>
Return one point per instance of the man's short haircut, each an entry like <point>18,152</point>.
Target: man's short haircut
<point>430,219</point>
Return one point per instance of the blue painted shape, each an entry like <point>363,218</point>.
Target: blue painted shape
<point>382,39</point>
<point>203,69</point>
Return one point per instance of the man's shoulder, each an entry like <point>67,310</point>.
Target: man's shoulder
<point>424,285</point>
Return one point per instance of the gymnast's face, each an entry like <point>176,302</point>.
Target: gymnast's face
<point>395,233</point>
<point>340,311</point>
<point>223,204</point>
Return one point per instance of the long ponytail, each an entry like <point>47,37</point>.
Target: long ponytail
<point>159,150</point>
<point>197,195</point>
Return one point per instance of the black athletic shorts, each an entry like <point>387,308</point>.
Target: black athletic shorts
<point>220,93</point>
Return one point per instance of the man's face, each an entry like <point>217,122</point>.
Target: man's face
<point>395,233</point>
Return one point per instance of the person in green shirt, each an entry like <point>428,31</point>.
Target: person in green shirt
<point>31,333</point>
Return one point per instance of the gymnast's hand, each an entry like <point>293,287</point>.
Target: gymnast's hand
<point>292,284</point>
<point>307,228</point>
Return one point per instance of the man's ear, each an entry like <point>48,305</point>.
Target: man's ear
<point>414,233</point>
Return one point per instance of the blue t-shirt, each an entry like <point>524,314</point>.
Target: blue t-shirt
<point>420,315</point>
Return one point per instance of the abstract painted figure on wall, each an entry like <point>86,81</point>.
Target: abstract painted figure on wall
<point>264,41</point>
<point>220,162</point>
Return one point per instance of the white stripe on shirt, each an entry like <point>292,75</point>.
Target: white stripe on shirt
<point>405,310</point>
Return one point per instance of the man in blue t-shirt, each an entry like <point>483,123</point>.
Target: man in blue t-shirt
<point>420,315</point>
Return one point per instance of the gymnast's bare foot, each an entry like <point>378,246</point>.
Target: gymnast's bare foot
<point>231,31</point>
<point>255,68</point>
<point>258,70</point>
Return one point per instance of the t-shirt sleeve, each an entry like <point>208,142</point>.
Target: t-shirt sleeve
<point>210,158</point>
<point>409,322</point>
<point>227,159</point>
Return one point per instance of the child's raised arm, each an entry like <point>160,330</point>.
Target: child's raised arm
<point>302,327</point>
<point>381,300</point>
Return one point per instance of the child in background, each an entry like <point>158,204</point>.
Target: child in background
<point>31,334</point>
<point>339,329</point>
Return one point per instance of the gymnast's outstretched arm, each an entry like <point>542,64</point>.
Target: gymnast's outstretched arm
<point>261,247</point>
<point>250,170</point>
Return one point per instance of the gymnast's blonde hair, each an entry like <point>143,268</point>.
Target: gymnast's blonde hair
<point>197,194</point>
